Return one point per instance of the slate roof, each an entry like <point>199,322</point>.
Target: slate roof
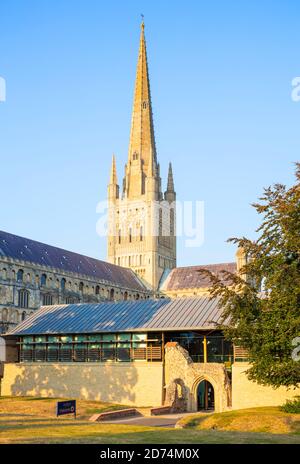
<point>189,277</point>
<point>143,315</point>
<point>23,249</point>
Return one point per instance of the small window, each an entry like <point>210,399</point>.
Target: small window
<point>20,275</point>
<point>63,284</point>
<point>97,290</point>
<point>43,280</point>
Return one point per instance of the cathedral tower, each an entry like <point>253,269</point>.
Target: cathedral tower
<point>141,224</point>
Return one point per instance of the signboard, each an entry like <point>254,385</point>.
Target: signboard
<point>66,407</point>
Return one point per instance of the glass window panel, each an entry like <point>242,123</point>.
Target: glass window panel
<point>53,339</point>
<point>139,337</point>
<point>80,338</point>
<point>124,337</point>
<point>27,339</point>
<point>94,338</point>
<point>108,337</point>
<point>40,339</point>
<point>66,339</point>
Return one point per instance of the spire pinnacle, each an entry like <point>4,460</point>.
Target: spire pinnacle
<point>113,172</point>
<point>170,186</point>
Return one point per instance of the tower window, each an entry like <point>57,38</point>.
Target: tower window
<point>23,299</point>
<point>119,236</point>
<point>130,235</point>
<point>141,234</point>
<point>63,284</point>
<point>20,275</point>
<point>145,105</point>
<point>43,279</point>
<point>135,156</point>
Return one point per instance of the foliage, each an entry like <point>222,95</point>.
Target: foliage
<point>262,302</point>
<point>292,406</point>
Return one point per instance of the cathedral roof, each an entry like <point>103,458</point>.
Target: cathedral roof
<point>200,313</point>
<point>189,277</point>
<point>24,249</point>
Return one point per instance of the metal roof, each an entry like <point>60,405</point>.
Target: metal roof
<point>144,315</point>
<point>181,278</point>
<point>23,249</point>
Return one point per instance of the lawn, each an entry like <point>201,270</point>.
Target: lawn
<point>32,420</point>
<point>254,420</point>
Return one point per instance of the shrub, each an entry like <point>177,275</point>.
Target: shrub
<point>292,406</point>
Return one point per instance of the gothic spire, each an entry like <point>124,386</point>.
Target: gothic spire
<point>142,141</point>
<point>170,185</point>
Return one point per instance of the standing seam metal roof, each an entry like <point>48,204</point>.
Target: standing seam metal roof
<point>144,315</point>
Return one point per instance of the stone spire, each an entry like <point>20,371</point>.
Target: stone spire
<point>142,159</point>
<point>170,186</point>
<point>113,188</point>
<point>113,171</point>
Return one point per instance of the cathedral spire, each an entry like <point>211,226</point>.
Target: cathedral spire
<point>142,151</point>
<point>113,172</point>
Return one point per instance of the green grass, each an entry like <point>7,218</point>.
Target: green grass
<point>32,420</point>
<point>254,420</point>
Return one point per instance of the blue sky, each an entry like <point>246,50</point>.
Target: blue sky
<point>221,75</point>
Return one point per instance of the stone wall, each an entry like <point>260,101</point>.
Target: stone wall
<point>248,394</point>
<point>136,384</point>
<point>182,378</point>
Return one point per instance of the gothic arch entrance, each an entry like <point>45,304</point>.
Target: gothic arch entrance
<point>205,396</point>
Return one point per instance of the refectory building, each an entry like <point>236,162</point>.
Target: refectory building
<point>143,353</point>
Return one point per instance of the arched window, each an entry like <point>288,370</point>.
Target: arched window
<point>141,234</point>
<point>111,294</point>
<point>63,284</point>
<point>137,296</point>
<point>160,222</point>
<point>119,236</point>
<point>4,274</point>
<point>43,280</point>
<point>81,287</point>
<point>125,296</point>
<point>23,315</point>
<point>130,234</point>
<point>97,290</point>
<point>20,275</point>
<point>23,298</point>
<point>4,315</point>
<point>47,299</point>
<point>172,225</point>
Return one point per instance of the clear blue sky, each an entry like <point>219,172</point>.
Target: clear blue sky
<point>221,76</point>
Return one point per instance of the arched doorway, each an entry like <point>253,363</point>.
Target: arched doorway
<point>205,396</point>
